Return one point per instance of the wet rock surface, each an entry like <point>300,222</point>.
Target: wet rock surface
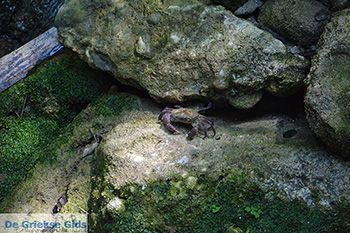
<point>301,21</point>
<point>23,20</point>
<point>180,51</point>
<point>328,93</point>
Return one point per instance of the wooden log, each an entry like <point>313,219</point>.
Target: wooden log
<point>15,66</point>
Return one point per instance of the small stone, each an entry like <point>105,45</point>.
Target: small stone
<point>143,48</point>
<point>242,100</point>
<point>154,19</point>
<point>305,194</point>
<point>116,204</point>
<point>183,160</point>
<point>295,50</point>
<point>295,20</point>
<point>191,182</point>
<point>322,15</point>
<point>249,7</point>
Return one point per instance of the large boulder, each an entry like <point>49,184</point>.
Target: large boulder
<point>278,153</point>
<point>181,50</point>
<point>327,100</point>
<point>336,5</point>
<point>143,176</point>
<point>300,21</point>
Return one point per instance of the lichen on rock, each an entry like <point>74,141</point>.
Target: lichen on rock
<point>301,21</point>
<point>327,100</point>
<point>168,182</point>
<point>33,112</point>
<point>69,172</point>
<point>178,50</point>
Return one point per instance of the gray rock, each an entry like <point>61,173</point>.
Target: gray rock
<point>295,19</point>
<point>183,160</point>
<point>116,204</point>
<point>336,5</point>
<point>293,163</point>
<point>181,51</point>
<point>340,4</point>
<point>249,7</point>
<point>327,99</point>
<point>295,50</point>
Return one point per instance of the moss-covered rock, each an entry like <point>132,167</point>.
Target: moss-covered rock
<point>69,172</point>
<point>231,203</point>
<point>336,5</point>
<point>300,21</point>
<point>145,179</point>
<point>33,111</point>
<point>180,50</point>
<point>154,181</point>
<point>327,99</point>
<point>58,89</point>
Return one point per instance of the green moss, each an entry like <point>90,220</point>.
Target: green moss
<point>58,89</point>
<point>99,114</point>
<point>113,105</point>
<point>342,211</point>
<point>33,112</point>
<point>146,7</point>
<point>22,142</point>
<point>103,109</point>
<point>58,154</point>
<point>160,38</point>
<point>213,204</point>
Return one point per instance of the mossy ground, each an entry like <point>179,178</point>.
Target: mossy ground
<point>205,203</point>
<point>100,116</point>
<point>68,172</point>
<point>33,112</point>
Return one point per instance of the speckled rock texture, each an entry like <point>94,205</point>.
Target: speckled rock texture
<point>249,7</point>
<point>181,50</point>
<point>336,5</point>
<point>301,21</point>
<point>327,100</point>
<point>280,153</point>
<point>276,152</point>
